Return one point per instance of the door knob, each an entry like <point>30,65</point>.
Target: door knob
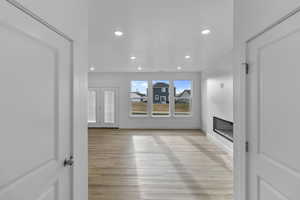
<point>69,162</point>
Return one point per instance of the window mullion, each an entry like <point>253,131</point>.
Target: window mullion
<point>172,98</point>
<point>150,100</point>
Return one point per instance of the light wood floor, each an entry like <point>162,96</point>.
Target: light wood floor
<point>157,165</point>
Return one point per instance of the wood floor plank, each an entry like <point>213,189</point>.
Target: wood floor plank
<point>157,165</point>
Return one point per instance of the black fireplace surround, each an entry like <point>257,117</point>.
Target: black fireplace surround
<point>223,128</point>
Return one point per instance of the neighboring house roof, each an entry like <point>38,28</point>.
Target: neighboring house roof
<point>160,85</point>
<point>136,95</point>
<point>185,93</point>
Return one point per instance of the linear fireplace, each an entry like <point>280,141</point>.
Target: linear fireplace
<point>223,128</point>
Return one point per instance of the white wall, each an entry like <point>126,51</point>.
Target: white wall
<point>122,81</point>
<point>71,18</point>
<point>250,18</point>
<point>217,98</point>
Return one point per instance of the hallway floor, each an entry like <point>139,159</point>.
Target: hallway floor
<point>157,165</point>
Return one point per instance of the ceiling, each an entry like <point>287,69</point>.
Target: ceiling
<point>159,33</point>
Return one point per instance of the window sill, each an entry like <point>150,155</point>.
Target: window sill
<point>184,116</point>
<point>138,116</point>
<point>180,116</point>
<point>161,116</point>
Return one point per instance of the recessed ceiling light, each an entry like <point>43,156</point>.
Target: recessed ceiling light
<point>205,32</point>
<point>119,33</point>
<point>179,68</point>
<point>187,57</point>
<point>139,68</point>
<point>132,57</point>
<point>92,69</point>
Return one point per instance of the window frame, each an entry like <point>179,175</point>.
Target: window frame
<point>172,98</point>
<point>190,114</point>
<point>151,106</point>
<point>130,100</point>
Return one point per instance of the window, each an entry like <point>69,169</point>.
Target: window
<point>92,106</point>
<point>161,105</point>
<point>139,98</point>
<point>182,97</point>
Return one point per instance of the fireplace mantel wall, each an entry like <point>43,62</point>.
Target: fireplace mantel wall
<point>217,100</point>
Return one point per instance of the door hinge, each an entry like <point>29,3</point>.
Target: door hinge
<point>247,147</point>
<point>246,68</point>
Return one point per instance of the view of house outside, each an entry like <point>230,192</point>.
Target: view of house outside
<point>139,97</point>
<point>183,97</point>
<point>161,97</point>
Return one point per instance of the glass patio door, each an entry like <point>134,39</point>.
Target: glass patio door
<point>103,107</point>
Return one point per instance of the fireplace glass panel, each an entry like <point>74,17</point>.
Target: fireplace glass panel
<point>223,128</point>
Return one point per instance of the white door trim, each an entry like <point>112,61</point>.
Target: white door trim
<point>240,103</point>
<point>39,19</point>
<point>75,175</point>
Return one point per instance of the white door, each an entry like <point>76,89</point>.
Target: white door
<point>35,109</point>
<point>163,99</point>
<point>274,113</point>
<point>103,107</point>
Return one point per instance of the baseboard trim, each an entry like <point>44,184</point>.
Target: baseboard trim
<point>220,144</point>
<point>103,128</point>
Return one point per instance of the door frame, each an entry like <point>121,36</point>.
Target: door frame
<point>240,104</point>
<point>76,104</point>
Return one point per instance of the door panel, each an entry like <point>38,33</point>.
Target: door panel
<point>268,192</point>
<point>35,104</point>
<point>92,106</point>
<point>273,112</point>
<point>49,194</point>
<point>109,106</point>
